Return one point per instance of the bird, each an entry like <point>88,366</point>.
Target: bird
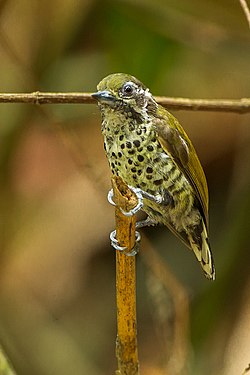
<point>149,150</point>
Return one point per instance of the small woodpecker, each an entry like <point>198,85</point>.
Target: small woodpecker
<point>147,147</point>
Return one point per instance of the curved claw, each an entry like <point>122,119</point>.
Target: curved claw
<point>115,245</point>
<point>135,249</point>
<point>110,197</point>
<point>114,242</point>
<point>139,195</point>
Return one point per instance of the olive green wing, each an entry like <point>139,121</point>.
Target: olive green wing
<point>175,141</point>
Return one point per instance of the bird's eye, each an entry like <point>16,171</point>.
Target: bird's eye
<point>128,89</point>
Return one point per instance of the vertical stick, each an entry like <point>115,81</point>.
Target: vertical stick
<point>126,343</point>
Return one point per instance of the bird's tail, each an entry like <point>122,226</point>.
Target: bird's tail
<point>200,246</point>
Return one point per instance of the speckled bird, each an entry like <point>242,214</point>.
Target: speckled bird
<point>147,147</point>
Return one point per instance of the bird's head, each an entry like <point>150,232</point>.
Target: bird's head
<point>125,94</point>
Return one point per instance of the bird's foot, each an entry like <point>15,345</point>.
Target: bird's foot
<point>140,194</point>
<point>157,198</point>
<point>133,211</point>
<point>114,243</point>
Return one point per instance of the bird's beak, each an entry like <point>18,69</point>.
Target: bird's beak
<point>103,97</point>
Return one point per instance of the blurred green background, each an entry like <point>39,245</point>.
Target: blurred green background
<point>57,275</point>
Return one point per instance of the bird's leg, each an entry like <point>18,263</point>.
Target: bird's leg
<point>133,211</point>
<point>164,198</point>
<point>140,194</point>
<point>157,198</point>
<point>115,245</point>
<point>146,223</point>
<point>110,197</point>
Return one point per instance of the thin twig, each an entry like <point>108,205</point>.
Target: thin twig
<point>216,105</point>
<point>126,343</point>
<point>246,10</point>
<point>39,97</point>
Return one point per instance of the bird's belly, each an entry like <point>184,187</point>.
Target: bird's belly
<point>151,169</point>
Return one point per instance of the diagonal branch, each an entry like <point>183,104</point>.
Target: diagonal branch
<point>217,105</point>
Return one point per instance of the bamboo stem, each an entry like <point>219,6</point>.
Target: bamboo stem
<point>126,343</point>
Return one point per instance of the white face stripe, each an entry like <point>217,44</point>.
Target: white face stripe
<point>132,84</point>
<point>139,91</point>
<point>147,96</point>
